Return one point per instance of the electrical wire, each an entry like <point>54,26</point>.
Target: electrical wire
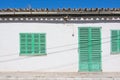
<point>52,52</point>
<point>59,46</point>
<point>58,51</point>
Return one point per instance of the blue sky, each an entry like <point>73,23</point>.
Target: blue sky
<point>60,3</point>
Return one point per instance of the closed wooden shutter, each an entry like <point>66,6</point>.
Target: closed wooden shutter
<point>32,43</point>
<point>83,49</point>
<point>89,49</point>
<point>42,43</point>
<point>23,42</point>
<point>115,41</point>
<point>95,54</point>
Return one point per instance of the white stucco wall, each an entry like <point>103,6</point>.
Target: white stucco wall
<point>62,52</point>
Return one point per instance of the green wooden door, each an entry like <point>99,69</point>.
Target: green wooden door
<point>89,49</point>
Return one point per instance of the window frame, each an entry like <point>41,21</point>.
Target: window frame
<point>118,42</point>
<point>30,45</point>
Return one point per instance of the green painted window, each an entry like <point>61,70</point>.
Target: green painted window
<point>32,43</point>
<point>115,41</point>
<point>89,49</point>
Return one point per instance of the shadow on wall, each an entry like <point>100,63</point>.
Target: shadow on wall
<point>57,22</point>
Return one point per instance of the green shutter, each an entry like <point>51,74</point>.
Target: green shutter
<point>95,57</point>
<point>23,42</point>
<point>29,44</point>
<point>89,49</point>
<point>115,41</point>
<point>83,49</point>
<point>43,43</point>
<point>32,44</point>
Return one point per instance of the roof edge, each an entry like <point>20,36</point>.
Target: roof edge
<point>46,11</point>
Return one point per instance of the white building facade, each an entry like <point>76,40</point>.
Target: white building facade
<point>79,40</point>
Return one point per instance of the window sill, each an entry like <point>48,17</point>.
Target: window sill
<point>114,53</point>
<point>35,54</point>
